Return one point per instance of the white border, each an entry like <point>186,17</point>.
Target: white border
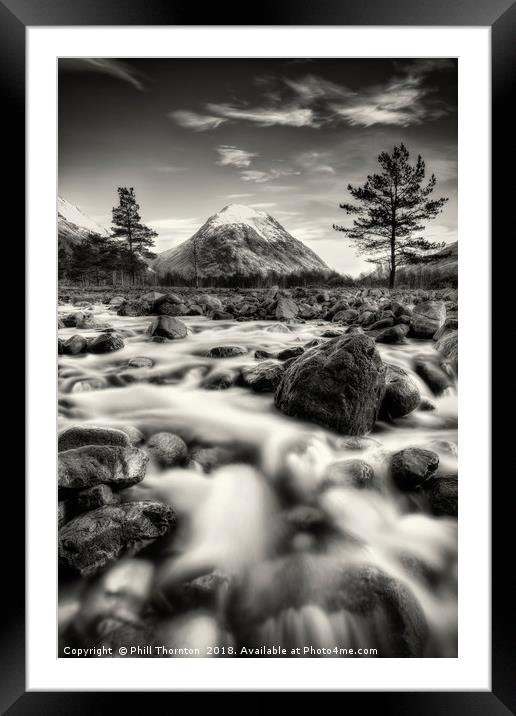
<point>471,670</point>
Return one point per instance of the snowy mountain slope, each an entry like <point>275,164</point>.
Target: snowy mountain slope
<point>239,240</point>
<point>74,226</point>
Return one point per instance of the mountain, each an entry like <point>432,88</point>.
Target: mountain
<point>74,226</point>
<point>447,257</point>
<point>239,240</point>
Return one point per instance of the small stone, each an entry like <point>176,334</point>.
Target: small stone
<point>394,334</point>
<point>226,351</point>
<point>83,467</point>
<point>348,473</point>
<point>290,352</point>
<point>74,345</point>
<point>401,395</point>
<point>106,343</point>
<point>79,436</point>
<point>140,362</point>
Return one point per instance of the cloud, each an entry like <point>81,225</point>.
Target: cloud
<point>261,177</point>
<point>293,116</point>
<point>312,88</point>
<point>315,162</point>
<point>114,68</point>
<point>401,102</point>
<point>263,205</point>
<point>238,196</point>
<point>195,121</point>
<point>234,157</point>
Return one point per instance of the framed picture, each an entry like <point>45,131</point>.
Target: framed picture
<point>259,234</point>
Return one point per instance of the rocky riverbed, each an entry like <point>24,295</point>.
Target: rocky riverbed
<point>253,469</point>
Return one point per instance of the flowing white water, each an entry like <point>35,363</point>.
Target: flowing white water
<point>235,519</point>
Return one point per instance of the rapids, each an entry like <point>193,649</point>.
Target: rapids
<point>233,519</point>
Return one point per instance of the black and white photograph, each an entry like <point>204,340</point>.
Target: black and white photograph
<point>257,357</point>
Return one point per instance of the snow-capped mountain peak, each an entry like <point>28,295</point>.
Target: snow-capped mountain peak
<point>73,215</point>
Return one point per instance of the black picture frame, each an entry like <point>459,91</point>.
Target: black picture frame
<point>500,15</point>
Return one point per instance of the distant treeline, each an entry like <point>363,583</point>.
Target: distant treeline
<point>303,278</point>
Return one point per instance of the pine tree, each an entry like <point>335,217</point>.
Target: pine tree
<point>128,227</point>
<point>391,207</point>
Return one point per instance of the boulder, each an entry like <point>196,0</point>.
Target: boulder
<point>448,347</point>
<point>94,497</point>
<point>264,377</point>
<point>226,351</point>
<point>401,395</point>
<point>106,343</point>
<point>74,345</point>
<point>93,539</point>
<point>211,302</point>
<point>449,326</point>
<point>382,323</point>
<point>79,436</point>
<point>394,334</point>
<point>427,318</point>
<point>83,467</point>
<point>221,316</point>
<point>134,308</point>
<point>210,458</point>
<point>167,449</point>
<point>221,379</point>
<point>348,473</point>
<point>338,385</point>
<point>432,374</point>
<point>412,467</point>
<point>346,316</point>
<point>117,301</point>
<point>444,495</point>
<point>292,352</point>
<point>286,309</point>
<point>167,327</point>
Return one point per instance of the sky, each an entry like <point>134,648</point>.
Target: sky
<point>283,136</point>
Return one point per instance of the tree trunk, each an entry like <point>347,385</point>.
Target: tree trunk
<point>392,274</point>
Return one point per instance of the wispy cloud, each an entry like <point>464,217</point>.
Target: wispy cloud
<point>261,177</point>
<point>233,157</point>
<point>263,205</point>
<point>116,68</point>
<point>293,116</point>
<point>196,122</point>
<point>316,162</point>
<point>238,196</point>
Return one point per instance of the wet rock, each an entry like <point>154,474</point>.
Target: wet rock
<point>151,297</point>
<point>210,302</point>
<point>286,309</point>
<point>401,395</point>
<point>348,473</point>
<point>432,374</point>
<point>94,539</point>
<point>338,385</point>
<point>332,333</point>
<point>167,327</point>
<point>167,449</point>
<point>140,362</point>
<point>221,316</point>
<point>63,512</point>
<point>226,351</point>
<point>204,592</point>
<point>448,347</point>
<point>221,380</point>
<point>412,467</point>
<point>444,495</point>
<point>210,458</point>
<point>117,301</point>
<point>171,309</point>
<point>382,323</point>
<point>106,343</point>
<point>426,405</point>
<point>354,329</point>
<point>364,595</point>
<point>134,308</point>
<point>261,355</point>
<point>79,436</point>
<point>292,352</point>
<point>83,467</point>
<point>395,334</point>
<point>74,345</point>
<point>195,310</point>
<point>96,496</point>
<point>60,345</point>
<point>347,316</point>
<point>427,318</point>
<point>263,378</point>
<point>449,326</point>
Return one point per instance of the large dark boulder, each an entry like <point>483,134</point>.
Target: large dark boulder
<point>83,467</point>
<point>444,495</point>
<point>432,374</point>
<point>448,347</point>
<point>286,309</point>
<point>401,395</point>
<point>413,467</point>
<point>338,385</point>
<point>74,345</point>
<point>167,327</point>
<point>226,351</point>
<point>134,308</point>
<point>394,334</point>
<point>93,539</point>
